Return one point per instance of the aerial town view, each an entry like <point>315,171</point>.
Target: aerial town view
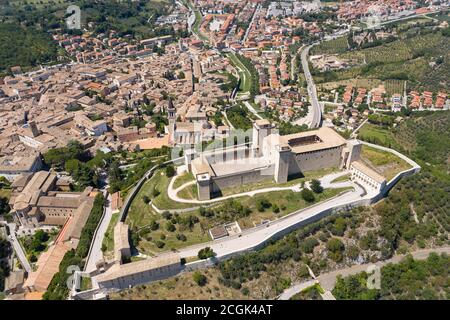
<point>225,150</point>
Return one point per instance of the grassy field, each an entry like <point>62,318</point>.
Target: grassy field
<point>311,293</point>
<point>269,182</point>
<point>376,134</point>
<point>148,241</point>
<point>246,77</point>
<point>141,215</point>
<point>197,22</point>
<point>189,192</point>
<point>86,284</point>
<point>342,178</point>
<point>182,179</point>
<point>108,240</point>
<point>288,202</point>
<point>182,287</point>
<point>394,86</point>
<point>385,163</point>
<point>339,45</point>
<point>360,83</point>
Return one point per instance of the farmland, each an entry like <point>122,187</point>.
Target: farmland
<point>422,59</point>
<point>339,45</point>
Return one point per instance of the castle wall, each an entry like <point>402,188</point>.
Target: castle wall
<point>316,160</point>
<point>218,183</point>
<point>204,189</point>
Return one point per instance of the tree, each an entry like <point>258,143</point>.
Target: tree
<point>154,225</point>
<point>206,253</point>
<point>245,291</point>
<point>316,187</point>
<point>170,227</point>
<point>199,278</point>
<point>275,208</point>
<point>170,171</point>
<point>262,204</point>
<point>335,248</point>
<point>308,244</point>
<point>167,215</point>
<point>160,244</point>
<point>308,195</point>
<point>335,245</point>
<point>339,227</point>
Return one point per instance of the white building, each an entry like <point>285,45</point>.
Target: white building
<point>367,177</point>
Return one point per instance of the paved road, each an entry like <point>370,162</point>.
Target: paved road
<point>251,23</point>
<point>252,110</point>
<point>312,92</point>
<point>96,253</point>
<point>290,292</point>
<point>18,248</point>
<point>328,280</point>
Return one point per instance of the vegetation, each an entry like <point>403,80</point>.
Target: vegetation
<point>316,186</point>
<point>420,56</point>
<point>5,252</point>
<point>25,47</point>
<point>37,243</point>
<point>312,293</point>
<point>249,70</point>
<point>122,180</point>
<point>383,162</point>
<point>408,280</point>
<point>307,195</point>
<point>206,253</point>
<point>239,117</point>
<point>78,163</point>
<point>339,45</point>
<point>199,278</point>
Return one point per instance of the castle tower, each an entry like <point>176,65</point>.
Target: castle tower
<point>261,129</point>
<point>354,152</point>
<point>34,129</point>
<point>171,115</point>
<point>282,163</point>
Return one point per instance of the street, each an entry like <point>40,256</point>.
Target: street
<point>312,92</point>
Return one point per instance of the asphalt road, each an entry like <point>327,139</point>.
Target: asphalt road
<point>96,253</point>
<point>312,92</point>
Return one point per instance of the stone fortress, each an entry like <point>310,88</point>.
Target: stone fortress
<point>272,156</point>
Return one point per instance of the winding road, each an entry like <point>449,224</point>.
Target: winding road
<point>328,280</point>
<point>316,120</point>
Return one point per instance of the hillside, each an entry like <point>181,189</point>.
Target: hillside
<point>422,57</point>
<point>24,46</point>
